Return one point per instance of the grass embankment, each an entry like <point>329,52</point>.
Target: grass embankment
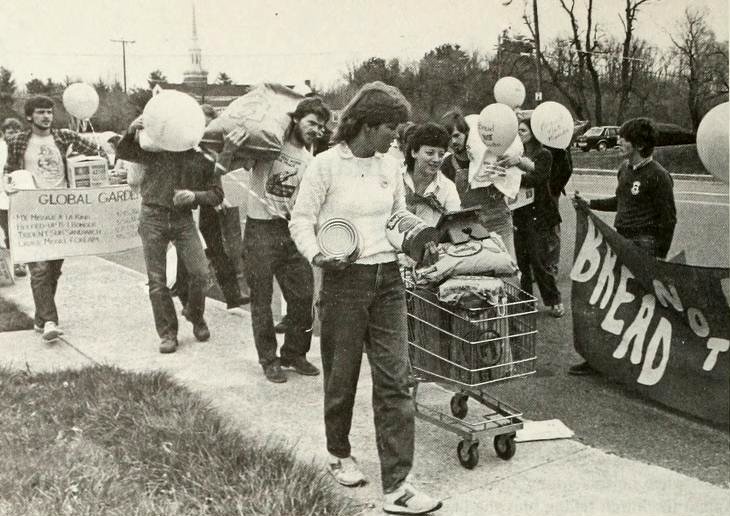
<point>12,318</point>
<point>100,441</point>
<point>677,159</point>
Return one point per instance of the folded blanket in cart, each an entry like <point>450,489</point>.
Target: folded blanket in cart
<point>472,291</point>
<point>476,257</point>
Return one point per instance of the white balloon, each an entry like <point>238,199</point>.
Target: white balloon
<point>80,100</point>
<point>497,127</point>
<point>510,91</point>
<point>552,125</point>
<point>712,141</point>
<point>173,121</point>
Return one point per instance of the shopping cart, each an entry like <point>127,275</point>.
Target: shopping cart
<point>465,351</point>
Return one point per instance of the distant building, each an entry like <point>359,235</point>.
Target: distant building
<point>195,81</point>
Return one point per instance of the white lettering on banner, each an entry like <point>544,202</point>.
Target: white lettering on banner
<point>636,331</point>
<point>622,296</point>
<point>651,375</point>
<point>605,280</point>
<point>588,255</point>
<point>716,346</point>
<point>51,224</point>
<point>589,262</point>
<point>698,322</point>
<point>665,296</point>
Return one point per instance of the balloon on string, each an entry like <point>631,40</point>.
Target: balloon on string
<point>509,91</point>
<point>712,141</point>
<point>173,121</point>
<point>552,125</point>
<point>80,100</point>
<point>497,127</point>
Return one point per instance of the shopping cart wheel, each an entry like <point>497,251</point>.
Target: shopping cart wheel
<point>468,453</point>
<point>459,407</point>
<point>505,446</point>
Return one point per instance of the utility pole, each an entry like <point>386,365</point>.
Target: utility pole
<point>538,93</point>
<point>124,58</point>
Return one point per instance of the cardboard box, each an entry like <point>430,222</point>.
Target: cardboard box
<point>87,172</point>
<point>524,197</point>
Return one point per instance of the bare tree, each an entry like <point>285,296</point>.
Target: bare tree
<point>628,55</point>
<point>584,44</point>
<point>702,62</point>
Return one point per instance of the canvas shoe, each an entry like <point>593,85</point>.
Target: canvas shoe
<point>409,500</point>
<point>346,471</point>
<point>51,331</point>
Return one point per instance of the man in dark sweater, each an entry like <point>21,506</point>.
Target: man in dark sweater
<point>644,200</point>
<point>173,184</point>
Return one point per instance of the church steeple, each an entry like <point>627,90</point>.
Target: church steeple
<point>196,75</point>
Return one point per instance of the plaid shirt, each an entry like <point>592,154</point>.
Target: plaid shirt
<point>64,138</point>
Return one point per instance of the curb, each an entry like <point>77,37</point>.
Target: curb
<point>609,172</point>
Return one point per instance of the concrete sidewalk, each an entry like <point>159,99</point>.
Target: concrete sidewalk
<point>107,317</point>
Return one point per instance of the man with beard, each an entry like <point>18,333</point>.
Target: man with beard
<point>458,130</point>
<point>270,252</point>
<point>42,151</point>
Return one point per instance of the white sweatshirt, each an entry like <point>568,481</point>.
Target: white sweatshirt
<point>364,191</point>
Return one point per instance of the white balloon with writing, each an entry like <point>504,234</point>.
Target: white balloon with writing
<point>497,128</point>
<point>712,141</point>
<point>509,91</point>
<point>173,121</point>
<point>80,100</point>
<point>552,125</point>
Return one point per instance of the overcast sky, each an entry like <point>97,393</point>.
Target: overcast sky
<point>280,41</point>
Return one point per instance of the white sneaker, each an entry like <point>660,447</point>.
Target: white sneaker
<point>409,500</point>
<point>346,471</point>
<point>51,331</point>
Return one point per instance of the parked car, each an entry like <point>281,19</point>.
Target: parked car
<point>601,138</point>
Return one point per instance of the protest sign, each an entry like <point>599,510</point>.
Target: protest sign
<point>52,224</point>
<point>658,327</point>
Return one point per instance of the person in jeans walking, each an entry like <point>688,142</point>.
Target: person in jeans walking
<point>42,151</point>
<point>173,184</point>
<point>363,297</point>
<point>270,252</point>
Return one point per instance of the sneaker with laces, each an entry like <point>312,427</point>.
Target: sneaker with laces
<point>168,345</point>
<point>301,365</point>
<point>51,331</point>
<point>37,328</point>
<point>409,500</point>
<point>346,471</point>
<point>274,373</point>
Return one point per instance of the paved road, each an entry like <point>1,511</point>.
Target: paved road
<point>603,414</point>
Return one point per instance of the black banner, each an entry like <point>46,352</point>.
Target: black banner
<point>661,328</point>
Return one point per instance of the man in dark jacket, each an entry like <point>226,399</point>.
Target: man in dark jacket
<point>173,184</point>
<point>644,200</point>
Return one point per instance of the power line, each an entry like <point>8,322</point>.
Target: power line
<point>124,57</point>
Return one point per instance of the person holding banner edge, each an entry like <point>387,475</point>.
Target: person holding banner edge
<point>42,151</point>
<point>644,201</point>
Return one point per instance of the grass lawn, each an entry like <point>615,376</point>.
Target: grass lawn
<point>12,318</point>
<point>101,441</point>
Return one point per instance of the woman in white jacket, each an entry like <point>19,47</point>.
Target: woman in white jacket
<point>363,298</point>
